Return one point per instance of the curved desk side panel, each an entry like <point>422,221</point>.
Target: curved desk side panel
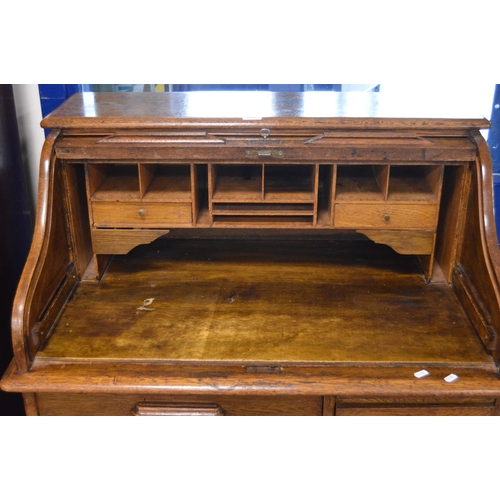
<point>48,276</point>
<point>476,276</point>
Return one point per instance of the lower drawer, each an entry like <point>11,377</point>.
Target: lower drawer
<point>139,214</point>
<point>130,404</point>
<point>386,216</point>
<point>415,407</point>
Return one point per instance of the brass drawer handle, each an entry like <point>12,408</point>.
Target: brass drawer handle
<point>387,217</point>
<point>178,410</point>
<point>142,212</point>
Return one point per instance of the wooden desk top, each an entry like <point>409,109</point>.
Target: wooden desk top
<point>355,110</point>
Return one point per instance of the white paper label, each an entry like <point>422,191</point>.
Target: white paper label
<point>422,374</point>
<point>451,378</point>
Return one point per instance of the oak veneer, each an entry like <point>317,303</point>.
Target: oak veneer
<point>211,254</point>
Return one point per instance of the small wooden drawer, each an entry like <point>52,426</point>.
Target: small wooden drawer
<point>386,216</point>
<point>140,214</point>
<point>157,404</point>
<point>347,407</point>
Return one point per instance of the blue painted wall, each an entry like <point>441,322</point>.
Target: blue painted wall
<point>53,95</point>
<point>494,144</point>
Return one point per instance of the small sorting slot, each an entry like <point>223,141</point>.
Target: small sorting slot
<point>113,182</point>
<point>250,209</point>
<point>325,194</point>
<point>264,221</point>
<point>357,183</point>
<point>415,183</point>
<point>165,182</point>
<point>237,183</point>
<point>290,183</point>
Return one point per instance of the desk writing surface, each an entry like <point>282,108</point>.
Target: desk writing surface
<point>248,301</point>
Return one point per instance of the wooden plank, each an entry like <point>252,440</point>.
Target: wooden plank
<point>121,241</point>
<point>181,380</point>
<point>386,216</point>
<point>328,406</point>
<point>290,183</point>
<point>96,173</point>
<point>382,173</point>
<point>450,231</point>
<point>146,173</point>
<point>171,183</point>
<point>75,200</point>
<point>436,411</point>
<point>195,187</point>
<point>295,111</point>
<point>357,183</point>
<point>115,214</point>
<point>120,183</point>
<point>124,404</point>
<point>238,183</point>
<point>237,301</point>
<point>403,242</point>
<point>101,262</point>
<point>411,184</point>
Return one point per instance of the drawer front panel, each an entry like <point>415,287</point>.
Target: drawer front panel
<point>417,407</point>
<point>128,404</point>
<point>445,411</point>
<point>385,216</point>
<point>138,214</point>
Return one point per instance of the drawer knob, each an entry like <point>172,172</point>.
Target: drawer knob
<point>387,217</point>
<point>142,212</point>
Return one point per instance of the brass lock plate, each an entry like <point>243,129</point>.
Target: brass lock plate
<point>264,153</point>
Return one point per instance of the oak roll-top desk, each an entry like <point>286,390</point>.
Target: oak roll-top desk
<point>259,254</point>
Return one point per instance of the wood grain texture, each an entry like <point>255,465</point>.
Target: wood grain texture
<point>165,404</point>
<point>140,214</point>
<point>480,263</point>
<point>386,216</point>
<point>146,174</point>
<point>161,409</point>
<point>294,110</point>
<point>181,380</point>
<point>31,404</point>
<point>369,151</point>
<point>77,215</point>
<point>260,310</point>
<point>424,411</point>
<point>451,224</point>
<point>245,300</point>
<point>120,242</point>
<point>329,406</point>
<point>403,242</point>
<point>47,261</point>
